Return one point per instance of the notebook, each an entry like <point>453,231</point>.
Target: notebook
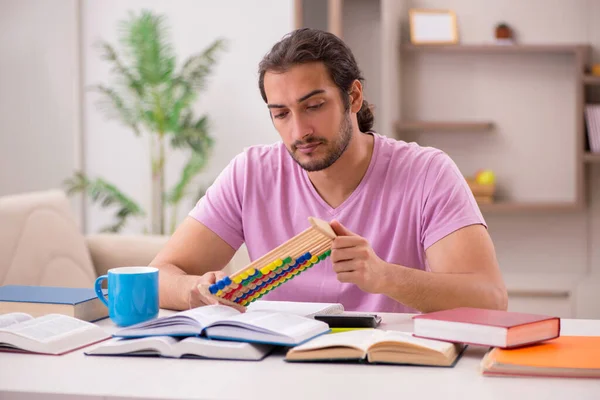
<point>226,323</point>
<point>376,346</point>
<point>305,309</point>
<point>50,334</point>
<point>81,303</point>
<point>190,347</point>
<point>566,356</point>
<point>486,327</point>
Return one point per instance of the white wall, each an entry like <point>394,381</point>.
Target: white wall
<point>39,89</point>
<point>232,99</point>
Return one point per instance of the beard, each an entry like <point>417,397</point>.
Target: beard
<point>333,149</point>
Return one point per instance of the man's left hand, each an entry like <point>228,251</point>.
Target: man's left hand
<point>354,260</point>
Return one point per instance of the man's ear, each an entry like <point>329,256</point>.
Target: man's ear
<point>356,96</point>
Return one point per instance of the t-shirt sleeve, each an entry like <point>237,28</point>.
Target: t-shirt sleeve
<point>448,203</point>
<point>220,209</point>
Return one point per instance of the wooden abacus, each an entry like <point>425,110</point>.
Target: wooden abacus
<point>277,266</point>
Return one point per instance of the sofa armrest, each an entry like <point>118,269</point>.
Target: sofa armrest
<point>115,250</point>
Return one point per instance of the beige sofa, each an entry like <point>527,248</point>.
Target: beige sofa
<point>41,244</point>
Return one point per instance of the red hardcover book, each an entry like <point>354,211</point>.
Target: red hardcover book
<point>478,326</point>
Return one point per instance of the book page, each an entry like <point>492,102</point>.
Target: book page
<point>155,345</point>
<point>406,337</point>
<point>48,328</point>
<point>186,323</point>
<point>13,318</point>
<point>206,315</point>
<point>359,339</point>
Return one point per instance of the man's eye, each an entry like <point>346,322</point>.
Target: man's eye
<point>315,107</point>
<point>280,115</point>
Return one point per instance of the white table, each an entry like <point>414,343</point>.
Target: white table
<point>76,376</point>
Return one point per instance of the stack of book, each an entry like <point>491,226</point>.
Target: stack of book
<point>221,332</point>
<point>521,344</point>
<point>55,321</point>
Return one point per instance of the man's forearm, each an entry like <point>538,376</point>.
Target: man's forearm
<point>431,291</point>
<point>174,287</point>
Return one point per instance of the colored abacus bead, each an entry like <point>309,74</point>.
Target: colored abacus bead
<point>213,289</point>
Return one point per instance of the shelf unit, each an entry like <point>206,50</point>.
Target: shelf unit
<point>580,54</point>
<point>577,49</point>
<point>443,126</point>
<point>591,158</point>
<point>591,79</point>
<point>506,207</point>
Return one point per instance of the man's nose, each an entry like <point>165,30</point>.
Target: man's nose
<point>301,128</point>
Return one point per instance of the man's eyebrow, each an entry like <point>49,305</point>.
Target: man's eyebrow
<point>300,100</point>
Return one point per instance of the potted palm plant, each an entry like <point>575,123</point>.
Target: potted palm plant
<point>154,97</point>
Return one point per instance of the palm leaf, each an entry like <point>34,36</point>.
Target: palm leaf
<point>145,39</point>
<point>192,168</point>
<point>195,70</point>
<point>182,96</point>
<point>106,195</point>
<point>131,81</point>
<point>114,107</point>
<point>193,135</point>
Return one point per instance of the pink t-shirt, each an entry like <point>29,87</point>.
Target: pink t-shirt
<point>409,198</point>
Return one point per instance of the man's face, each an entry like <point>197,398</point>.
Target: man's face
<point>308,113</point>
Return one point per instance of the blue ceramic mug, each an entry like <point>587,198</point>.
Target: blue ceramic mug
<point>132,294</point>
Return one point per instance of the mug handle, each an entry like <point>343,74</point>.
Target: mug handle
<point>98,289</point>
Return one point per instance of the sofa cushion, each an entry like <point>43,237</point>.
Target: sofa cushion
<point>40,242</point>
<point>110,250</point>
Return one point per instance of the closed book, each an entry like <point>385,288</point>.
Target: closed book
<point>80,303</point>
<point>484,327</point>
<point>565,357</point>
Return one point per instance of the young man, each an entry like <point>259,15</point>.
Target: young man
<point>411,236</point>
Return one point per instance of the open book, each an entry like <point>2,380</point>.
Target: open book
<point>49,334</point>
<point>225,323</point>
<point>191,347</point>
<point>377,346</point>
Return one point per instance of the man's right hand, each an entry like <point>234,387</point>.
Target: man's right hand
<point>199,295</point>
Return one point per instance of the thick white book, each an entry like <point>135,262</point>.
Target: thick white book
<point>49,334</point>
<point>226,323</point>
<point>190,347</point>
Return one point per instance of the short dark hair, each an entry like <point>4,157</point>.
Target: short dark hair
<point>307,45</point>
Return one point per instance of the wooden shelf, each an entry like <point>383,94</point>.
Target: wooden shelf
<point>591,79</point>
<point>498,49</point>
<point>547,285</point>
<point>441,126</point>
<point>591,157</point>
<point>528,207</point>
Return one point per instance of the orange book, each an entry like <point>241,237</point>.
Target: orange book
<point>565,356</point>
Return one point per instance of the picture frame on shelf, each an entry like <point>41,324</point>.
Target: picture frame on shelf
<point>430,26</point>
